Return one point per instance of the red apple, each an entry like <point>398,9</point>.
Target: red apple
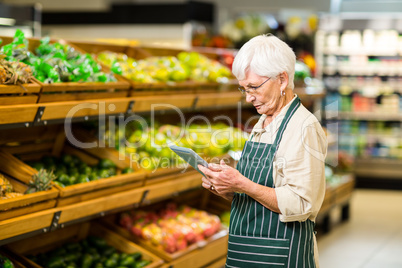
<point>125,221</point>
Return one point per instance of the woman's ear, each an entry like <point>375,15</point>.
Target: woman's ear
<point>284,80</point>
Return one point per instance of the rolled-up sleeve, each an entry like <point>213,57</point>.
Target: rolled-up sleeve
<point>299,174</point>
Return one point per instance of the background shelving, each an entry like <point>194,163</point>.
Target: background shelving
<point>361,66</point>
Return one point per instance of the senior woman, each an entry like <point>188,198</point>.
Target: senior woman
<point>278,185</point>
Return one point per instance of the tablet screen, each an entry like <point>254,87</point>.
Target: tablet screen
<point>190,157</point>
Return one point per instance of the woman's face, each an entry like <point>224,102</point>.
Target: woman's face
<point>267,98</point>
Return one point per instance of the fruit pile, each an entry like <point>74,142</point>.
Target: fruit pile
<point>6,262</point>
<point>301,71</point>
<point>203,69</point>
<point>6,189</point>
<point>70,169</point>
<point>92,252</point>
<point>14,73</point>
<point>148,146</point>
<point>225,218</point>
<point>333,179</point>
<point>172,228</point>
<point>186,66</point>
<point>55,62</point>
<point>41,181</point>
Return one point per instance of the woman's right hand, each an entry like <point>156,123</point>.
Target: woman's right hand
<point>212,173</point>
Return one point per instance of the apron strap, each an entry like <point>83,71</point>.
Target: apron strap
<point>292,109</point>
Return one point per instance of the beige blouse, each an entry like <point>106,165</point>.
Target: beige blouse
<point>298,170</point>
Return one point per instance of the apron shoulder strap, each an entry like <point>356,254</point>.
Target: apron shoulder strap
<point>292,109</point>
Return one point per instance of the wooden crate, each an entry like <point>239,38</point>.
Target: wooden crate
<point>200,254</point>
<point>167,174</point>
<point>20,94</point>
<point>220,99</point>
<point>151,177</point>
<point>74,233</point>
<point>343,191</point>
<point>19,174</point>
<point>329,201</point>
<point>28,203</point>
<point>174,87</point>
<point>70,91</point>
<point>157,88</point>
<point>34,145</point>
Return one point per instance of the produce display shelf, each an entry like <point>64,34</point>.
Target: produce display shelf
<point>202,257</point>
<point>337,195</point>
<point>27,203</point>
<point>217,99</point>
<point>76,233</point>
<point>378,168</point>
<point>26,225</point>
<point>27,115</point>
<point>206,252</point>
<point>154,88</point>
<point>213,254</point>
<point>34,147</point>
<point>51,92</point>
<point>97,207</point>
<point>369,116</point>
<point>19,113</point>
<point>20,94</point>
<point>306,93</point>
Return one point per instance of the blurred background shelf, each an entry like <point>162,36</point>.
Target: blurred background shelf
<point>369,116</point>
<point>378,168</point>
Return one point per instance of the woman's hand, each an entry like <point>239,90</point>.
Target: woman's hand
<point>222,179</point>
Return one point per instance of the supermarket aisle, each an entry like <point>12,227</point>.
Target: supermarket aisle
<point>372,238</point>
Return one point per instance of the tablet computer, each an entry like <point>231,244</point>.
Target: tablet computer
<point>190,157</point>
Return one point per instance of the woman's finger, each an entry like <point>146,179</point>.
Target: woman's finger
<point>223,163</point>
<point>206,171</point>
<point>206,185</point>
<point>214,167</point>
<point>206,180</point>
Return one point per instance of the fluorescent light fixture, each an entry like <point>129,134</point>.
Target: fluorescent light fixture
<point>7,21</point>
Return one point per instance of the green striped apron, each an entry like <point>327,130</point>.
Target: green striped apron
<point>257,238</point>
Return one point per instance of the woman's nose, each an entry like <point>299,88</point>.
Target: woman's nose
<point>250,98</point>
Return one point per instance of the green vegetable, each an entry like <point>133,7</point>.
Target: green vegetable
<point>137,256</point>
<point>71,257</point>
<point>5,262</point>
<point>111,262</point>
<point>83,178</point>
<point>73,247</point>
<point>59,184</point>
<point>127,261</point>
<point>108,251</point>
<point>142,263</point>
<point>55,62</point>
<point>55,262</point>
<point>106,163</point>
<point>86,261</point>
<point>69,169</point>
<point>98,242</point>
<point>127,170</point>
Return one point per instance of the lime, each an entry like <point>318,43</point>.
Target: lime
<point>127,170</point>
<point>106,163</point>
<point>82,178</point>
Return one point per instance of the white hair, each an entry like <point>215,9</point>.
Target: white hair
<point>265,55</point>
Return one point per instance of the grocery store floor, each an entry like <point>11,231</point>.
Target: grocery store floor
<point>371,238</point>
